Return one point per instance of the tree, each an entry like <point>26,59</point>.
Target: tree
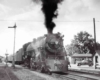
<point>82,43</point>
<point>71,49</point>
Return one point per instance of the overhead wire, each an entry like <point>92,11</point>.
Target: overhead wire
<point>55,21</point>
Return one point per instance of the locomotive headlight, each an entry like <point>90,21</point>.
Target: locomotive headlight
<point>56,42</point>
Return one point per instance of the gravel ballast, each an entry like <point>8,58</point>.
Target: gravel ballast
<point>24,74</point>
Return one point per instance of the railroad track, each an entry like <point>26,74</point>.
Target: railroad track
<point>62,77</point>
<point>4,75</point>
<point>74,76</point>
<point>96,73</point>
<point>7,74</point>
<point>78,77</point>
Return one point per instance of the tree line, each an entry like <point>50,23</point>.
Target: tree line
<point>82,43</point>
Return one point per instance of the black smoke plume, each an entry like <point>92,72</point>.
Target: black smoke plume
<point>49,8</point>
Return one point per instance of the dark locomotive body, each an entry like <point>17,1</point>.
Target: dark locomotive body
<point>18,57</point>
<point>46,54</point>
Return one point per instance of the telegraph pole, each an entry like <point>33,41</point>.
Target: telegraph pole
<point>13,62</point>
<point>6,58</point>
<point>94,38</point>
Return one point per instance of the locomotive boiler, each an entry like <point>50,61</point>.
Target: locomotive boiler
<point>47,54</point>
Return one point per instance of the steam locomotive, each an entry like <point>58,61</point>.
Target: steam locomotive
<point>46,54</point>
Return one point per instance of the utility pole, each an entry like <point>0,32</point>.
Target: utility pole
<point>6,58</point>
<point>13,62</point>
<point>94,38</point>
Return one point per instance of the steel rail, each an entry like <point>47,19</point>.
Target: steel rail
<point>7,74</point>
<point>73,76</point>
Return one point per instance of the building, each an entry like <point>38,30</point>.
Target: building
<point>96,57</point>
<point>1,59</point>
<point>79,57</point>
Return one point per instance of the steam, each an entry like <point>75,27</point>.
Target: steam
<point>49,8</point>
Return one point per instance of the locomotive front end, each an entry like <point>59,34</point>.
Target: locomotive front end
<point>56,53</point>
<point>50,54</point>
<point>57,64</point>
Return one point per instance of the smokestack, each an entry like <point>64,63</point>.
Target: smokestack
<point>49,8</point>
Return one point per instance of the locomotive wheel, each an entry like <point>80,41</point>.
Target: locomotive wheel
<point>48,72</point>
<point>79,64</point>
<point>43,70</point>
<point>90,65</point>
<point>30,66</point>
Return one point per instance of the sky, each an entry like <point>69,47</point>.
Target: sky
<point>74,16</point>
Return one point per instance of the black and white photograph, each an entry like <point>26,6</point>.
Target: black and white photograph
<point>49,39</point>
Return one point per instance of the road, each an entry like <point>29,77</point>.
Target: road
<point>84,67</point>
